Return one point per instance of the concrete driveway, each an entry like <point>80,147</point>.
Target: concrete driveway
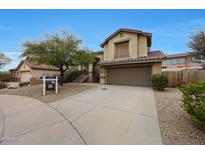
<point>28,121</point>
<point>102,115</point>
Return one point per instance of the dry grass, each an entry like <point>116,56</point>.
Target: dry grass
<point>176,126</point>
<point>36,92</point>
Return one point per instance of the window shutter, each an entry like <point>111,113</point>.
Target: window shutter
<point>121,49</point>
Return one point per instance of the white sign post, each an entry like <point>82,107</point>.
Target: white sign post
<point>56,85</point>
<point>44,84</point>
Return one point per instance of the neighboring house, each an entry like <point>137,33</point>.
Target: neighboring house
<point>127,60</point>
<point>178,62</point>
<point>27,70</point>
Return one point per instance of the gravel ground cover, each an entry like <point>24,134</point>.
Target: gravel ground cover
<point>175,124</point>
<point>36,92</point>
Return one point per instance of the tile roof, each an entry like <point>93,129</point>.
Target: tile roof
<point>180,55</point>
<point>34,65</point>
<point>153,56</point>
<point>13,69</point>
<point>149,40</point>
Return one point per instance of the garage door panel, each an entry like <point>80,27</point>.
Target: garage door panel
<point>132,76</point>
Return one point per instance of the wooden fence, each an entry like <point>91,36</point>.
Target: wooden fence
<point>177,78</point>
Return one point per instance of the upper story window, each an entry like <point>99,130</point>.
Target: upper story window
<point>167,61</point>
<point>174,61</point>
<point>121,49</point>
<point>181,60</point>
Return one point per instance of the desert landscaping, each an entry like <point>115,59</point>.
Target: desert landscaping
<point>35,92</point>
<point>175,124</point>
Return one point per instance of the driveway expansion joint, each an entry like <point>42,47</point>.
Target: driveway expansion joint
<point>139,114</point>
<point>75,129</point>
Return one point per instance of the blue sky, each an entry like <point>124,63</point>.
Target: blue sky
<point>171,29</point>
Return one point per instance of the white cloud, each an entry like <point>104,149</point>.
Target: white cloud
<point>13,53</point>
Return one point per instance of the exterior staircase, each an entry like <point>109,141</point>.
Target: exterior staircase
<point>82,78</point>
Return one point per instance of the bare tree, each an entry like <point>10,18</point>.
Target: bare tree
<point>4,60</point>
<point>197,44</point>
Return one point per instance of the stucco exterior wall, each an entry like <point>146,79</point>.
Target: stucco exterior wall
<point>103,75</point>
<point>100,55</point>
<point>24,67</point>
<point>90,72</point>
<point>38,73</point>
<point>156,68</point>
<point>24,73</point>
<point>142,46</point>
<point>135,49</point>
<point>105,53</point>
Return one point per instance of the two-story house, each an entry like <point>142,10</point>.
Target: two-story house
<point>127,59</point>
<point>182,61</point>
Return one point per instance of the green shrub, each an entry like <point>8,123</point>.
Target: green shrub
<point>71,76</point>
<point>194,102</point>
<point>159,82</point>
<point>2,85</point>
<point>22,84</point>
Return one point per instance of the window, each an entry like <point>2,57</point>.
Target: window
<point>191,59</point>
<point>174,61</point>
<point>167,61</point>
<point>121,49</point>
<point>181,60</point>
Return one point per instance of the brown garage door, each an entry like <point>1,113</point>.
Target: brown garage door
<point>132,76</point>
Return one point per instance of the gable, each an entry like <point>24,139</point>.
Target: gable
<point>23,67</point>
<point>131,31</point>
<point>122,37</point>
<point>131,45</point>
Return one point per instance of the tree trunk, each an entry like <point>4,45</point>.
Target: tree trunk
<point>61,75</point>
<point>61,78</point>
<point>62,71</point>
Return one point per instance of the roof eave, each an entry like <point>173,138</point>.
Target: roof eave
<point>132,62</point>
<point>14,69</point>
<point>38,68</point>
